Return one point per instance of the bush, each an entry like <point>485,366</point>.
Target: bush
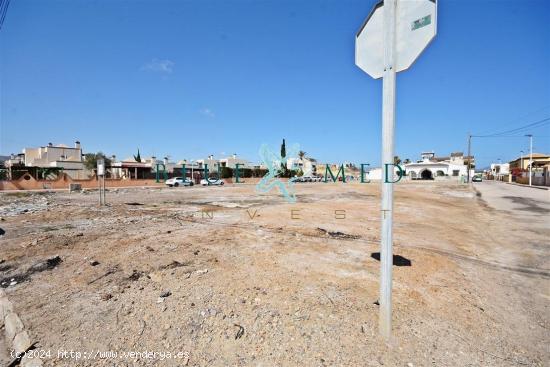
<point>245,172</point>
<point>226,172</point>
<point>259,172</point>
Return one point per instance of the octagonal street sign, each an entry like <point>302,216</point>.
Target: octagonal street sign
<point>415,27</point>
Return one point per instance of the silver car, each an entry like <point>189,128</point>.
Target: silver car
<point>212,181</point>
<point>178,181</point>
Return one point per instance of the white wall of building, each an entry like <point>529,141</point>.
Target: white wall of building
<point>308,166</point>
<point>44,156</point>
<point>232,162</point>
<point>447,169</point>
<point>500,169</point>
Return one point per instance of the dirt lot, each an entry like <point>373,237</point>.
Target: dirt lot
<point>226,276</point>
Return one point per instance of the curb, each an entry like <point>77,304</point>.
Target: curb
<point>15,332</point>
<point>530,187</point>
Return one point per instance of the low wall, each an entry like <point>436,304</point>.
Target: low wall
<point>27,182</point>
<point>536,180</point>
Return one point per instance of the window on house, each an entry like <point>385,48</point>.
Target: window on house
<point>456,172</point>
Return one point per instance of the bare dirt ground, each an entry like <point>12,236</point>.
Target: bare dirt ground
<point>226,276</point>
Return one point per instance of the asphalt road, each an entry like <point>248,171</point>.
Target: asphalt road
<point>528,203</point>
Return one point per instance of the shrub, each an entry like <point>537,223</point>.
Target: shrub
<point>226,172</point>
<point>259,172</point>
<point>245,172</point>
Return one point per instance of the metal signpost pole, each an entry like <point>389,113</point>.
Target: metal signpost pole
<point>99,188</point>
<point>392,37</point>
<point>101,180</point>
<point>388,125</point>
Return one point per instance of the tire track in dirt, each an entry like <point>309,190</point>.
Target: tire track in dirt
<point>454,255</point>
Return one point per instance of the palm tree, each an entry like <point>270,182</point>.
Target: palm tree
<point>301,154</point>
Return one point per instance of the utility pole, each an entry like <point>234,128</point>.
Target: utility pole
<point>468,156</point>
<point>530,158</point>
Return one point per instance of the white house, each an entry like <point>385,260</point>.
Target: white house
<point>499,170</point>
<point>307,165</point>
<point>431,167</point>
<point>232,162</point>
<point>377,174</point>
<point>69,159</point>
<point>129,168</point>
<point>210,161</point>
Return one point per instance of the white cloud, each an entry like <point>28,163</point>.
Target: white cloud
<point>207,112</point>
<point>160,66</point>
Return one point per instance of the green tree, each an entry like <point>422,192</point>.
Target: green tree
<point>90,160</point>
<point>283,172</point>
<point>301,154</point>
<point>137,157</point>
<point>396,159</point>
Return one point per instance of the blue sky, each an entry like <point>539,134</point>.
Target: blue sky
<point>192,78</point>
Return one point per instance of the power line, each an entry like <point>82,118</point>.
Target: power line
<point>4,4</point>
<point>511,136</point>
<point>532,125</point>
<point>519,119</point>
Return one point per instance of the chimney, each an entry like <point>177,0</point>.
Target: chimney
<point>234,155</point>
<point>165,161</point>
<point>77,144</point>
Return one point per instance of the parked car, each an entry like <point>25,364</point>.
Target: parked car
<point>212,181</point>
<point>307,179</point>
<point>476,179</point>
<point>177,181</point>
